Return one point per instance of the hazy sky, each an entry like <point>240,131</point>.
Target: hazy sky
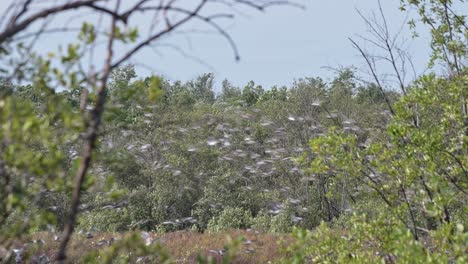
<point>284,44</point>
<point>277,46</point>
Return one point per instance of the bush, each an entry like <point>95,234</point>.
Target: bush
<point>231,217</point>
<point>377,240</point>
<point>281,223</point>
<point>106,220</point>
<point>262,222</point>
<point>226,190</point>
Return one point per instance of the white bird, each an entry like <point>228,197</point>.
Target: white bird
<point>101,242</point>
<point>147,237</point>
<point>212,142</point>
<point>218,252</point>
<point>18,254</point>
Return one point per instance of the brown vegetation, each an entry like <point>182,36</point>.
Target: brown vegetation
<point>183,246</point>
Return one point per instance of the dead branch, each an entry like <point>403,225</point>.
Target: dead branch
<point>90,143</point>
<point>16,28</point>
<point>374,74</point>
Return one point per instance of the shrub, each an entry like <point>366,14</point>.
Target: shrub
<point>281,223</point>
<point>231,217</point>
<point>376,240</point>
<point>262,222</point>
<point>109,220</point>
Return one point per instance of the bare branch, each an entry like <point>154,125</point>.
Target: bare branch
<point>90,142</point>
<point>152,38</point>
<point>385,42</point>
<point>24,9</point>
<point>12,30</point>
<point>374,74</point>
<point>262,5</point>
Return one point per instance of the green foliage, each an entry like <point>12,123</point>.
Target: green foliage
<point>376,240</point>
<point>417,175</point>
<point>124,168</point>
<point>33,163</point>
<point>281,223</point>
<point>448,29</point>
<point>109,220</point>
<point>229,93</point>
<point>202,88</point>
<point>373,186</point>
<point>262,222</point>
<point>213,165</point>
<point>230,218</point>
<point>414,173</point>
<point>252,93</point>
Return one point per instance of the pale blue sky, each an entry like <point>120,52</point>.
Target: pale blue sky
<point>285,44</point>
<point>277,46</point>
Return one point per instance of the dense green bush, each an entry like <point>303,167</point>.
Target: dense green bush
<point>105,220</point>
<point>262,222</point>
<point>377,240</point>
<point>230,218</point>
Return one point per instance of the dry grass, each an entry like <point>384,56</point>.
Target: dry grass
<point>183,246</point>
<point>258,248</point>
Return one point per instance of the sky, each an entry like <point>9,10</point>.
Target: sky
<point>276,47</point>
<point>284,44</point>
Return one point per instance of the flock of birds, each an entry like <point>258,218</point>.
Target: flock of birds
<point>232,135</point>
<point>236,144</point>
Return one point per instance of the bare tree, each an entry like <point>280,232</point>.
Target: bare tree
<point>30,21</point>
<point>390,50</point>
